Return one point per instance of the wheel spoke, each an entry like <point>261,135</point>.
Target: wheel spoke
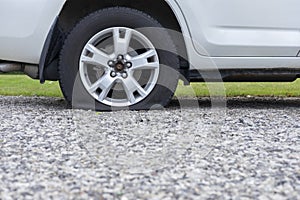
<point>141,61</point>
<point>104,94</point>
<point>105,83</point>
<point>130,86</point>
<point>121,44</point>
<point>98,57</point>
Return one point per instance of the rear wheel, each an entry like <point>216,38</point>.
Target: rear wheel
<point>111,61</point>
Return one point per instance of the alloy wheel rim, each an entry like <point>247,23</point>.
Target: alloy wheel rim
<point>119,66</point>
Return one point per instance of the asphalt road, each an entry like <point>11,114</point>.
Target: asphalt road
<point>249,149</point>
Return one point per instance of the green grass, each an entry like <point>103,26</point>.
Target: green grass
<point>282,89</point>
<point>16,84</point>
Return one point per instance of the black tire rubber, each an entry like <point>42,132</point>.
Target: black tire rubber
<point>70,83</point>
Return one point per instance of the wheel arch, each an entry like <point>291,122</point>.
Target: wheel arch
<point>74,10</point>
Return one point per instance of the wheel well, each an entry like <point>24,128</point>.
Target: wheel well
<point>74,10</point>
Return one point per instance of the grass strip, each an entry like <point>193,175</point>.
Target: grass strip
<point>17,84</point>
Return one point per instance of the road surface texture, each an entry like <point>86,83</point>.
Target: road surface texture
<point>249,150</point>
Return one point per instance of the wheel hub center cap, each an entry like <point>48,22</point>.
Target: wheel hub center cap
<point>119,67</point>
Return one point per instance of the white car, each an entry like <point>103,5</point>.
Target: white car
<point>111,54</point>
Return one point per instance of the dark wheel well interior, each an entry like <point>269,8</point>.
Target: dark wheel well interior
<point>74,10</point>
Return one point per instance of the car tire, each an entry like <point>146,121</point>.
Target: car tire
<point>118,58</point>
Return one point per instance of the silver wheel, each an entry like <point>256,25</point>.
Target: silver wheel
<point>119,67</point>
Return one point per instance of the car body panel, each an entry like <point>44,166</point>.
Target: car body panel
<point>199,58</point>
<point>24,28</point>
<point>243,28</point>
<point>24,32</point>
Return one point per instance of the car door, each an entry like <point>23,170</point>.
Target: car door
<point>243,27</point>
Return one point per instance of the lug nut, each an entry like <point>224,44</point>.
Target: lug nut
<point>110,63</point>
<point>113,74</point>
<point>120,57</point>
<point>124,75</point>
<point>128,64</point>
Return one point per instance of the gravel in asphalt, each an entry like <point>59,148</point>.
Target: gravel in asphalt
<point>248,150</point>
